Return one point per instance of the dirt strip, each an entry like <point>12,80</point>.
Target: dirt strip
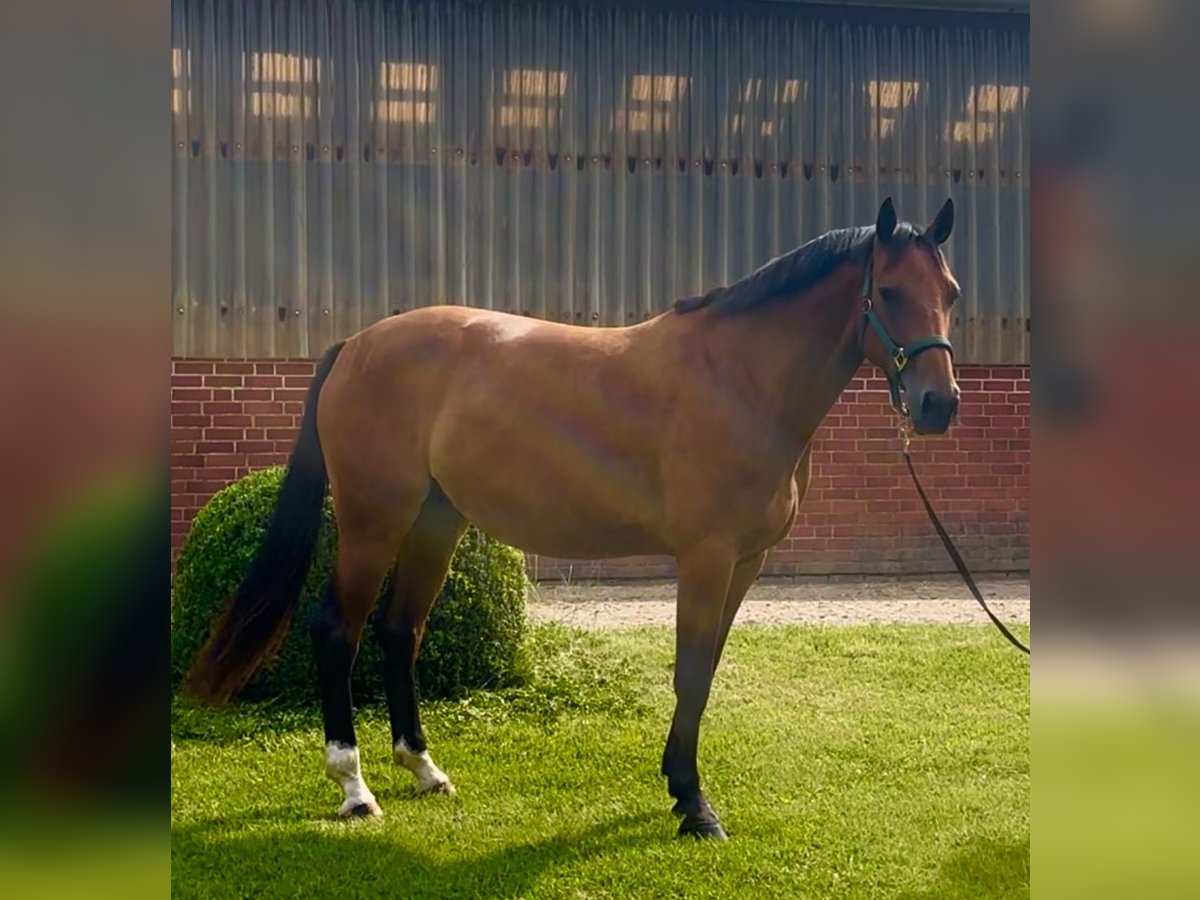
<point>601,605</point>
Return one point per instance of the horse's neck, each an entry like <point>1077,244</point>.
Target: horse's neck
<point>800,353</point>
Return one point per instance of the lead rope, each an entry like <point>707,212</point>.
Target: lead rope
<point>955,557</point>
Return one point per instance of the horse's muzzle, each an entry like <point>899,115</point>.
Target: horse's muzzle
<point>935,411</point>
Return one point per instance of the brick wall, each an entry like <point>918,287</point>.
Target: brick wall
<point>860,515</point>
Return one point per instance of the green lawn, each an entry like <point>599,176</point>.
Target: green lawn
<point>879,761</point>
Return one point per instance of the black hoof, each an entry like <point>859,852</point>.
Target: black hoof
<point>694,826</point>
<point>362,811</point>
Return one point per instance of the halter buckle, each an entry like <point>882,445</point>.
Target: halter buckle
<point>900,360</point>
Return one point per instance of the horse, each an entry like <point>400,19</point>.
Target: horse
<point>688,434</point>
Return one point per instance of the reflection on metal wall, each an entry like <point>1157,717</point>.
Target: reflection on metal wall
<point>338,161</point>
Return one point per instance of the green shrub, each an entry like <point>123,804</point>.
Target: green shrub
<point>474,638</point>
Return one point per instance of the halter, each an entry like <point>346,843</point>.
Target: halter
<point>898,355</point>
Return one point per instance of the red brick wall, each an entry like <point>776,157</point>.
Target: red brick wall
<point>860,515</point>
<point>227,418</point>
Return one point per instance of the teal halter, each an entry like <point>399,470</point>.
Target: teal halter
<point>898,355</point>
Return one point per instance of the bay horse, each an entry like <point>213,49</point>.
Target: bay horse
<point>687,435</point>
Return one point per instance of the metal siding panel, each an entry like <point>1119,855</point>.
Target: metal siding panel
<point>336,161</point>
<point>181,93</point>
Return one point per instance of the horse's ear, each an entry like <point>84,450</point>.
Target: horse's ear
<point>885,222</point>
<point>943,223</point>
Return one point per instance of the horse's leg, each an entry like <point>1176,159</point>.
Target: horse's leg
<point>336,627</point>
<point>421,568</point>
<point>704,581</point>
<point>743,577</point>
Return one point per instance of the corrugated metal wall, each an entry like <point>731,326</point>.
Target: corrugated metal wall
<point>338,161</point>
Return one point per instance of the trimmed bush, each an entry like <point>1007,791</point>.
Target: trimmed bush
<point>474,638</point>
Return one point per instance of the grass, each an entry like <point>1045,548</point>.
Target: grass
<point>883,761</point>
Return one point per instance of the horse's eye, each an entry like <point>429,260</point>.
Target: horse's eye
<point>889,295</point>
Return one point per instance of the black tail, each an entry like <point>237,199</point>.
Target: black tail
<point>256,621</point>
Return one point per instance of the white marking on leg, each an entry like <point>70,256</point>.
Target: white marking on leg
<point>341,766</point>
<point>430,779</point>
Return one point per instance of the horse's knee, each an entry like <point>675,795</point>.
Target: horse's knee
<point>392,629</point>
<point>397,637</point>
<point>323,626</point>
<point>330,636</point>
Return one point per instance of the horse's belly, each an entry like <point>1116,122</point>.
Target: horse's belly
<point>551,501</point>
<point>566,536</point>
<point>540,519</point>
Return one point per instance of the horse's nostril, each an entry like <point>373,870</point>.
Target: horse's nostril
<point>936,406</point>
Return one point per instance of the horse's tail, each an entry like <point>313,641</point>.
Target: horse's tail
<point>256,621</point>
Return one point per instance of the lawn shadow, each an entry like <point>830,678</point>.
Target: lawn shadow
<point>194,722</point>
<point>319,863</point>
<point>984,868</point>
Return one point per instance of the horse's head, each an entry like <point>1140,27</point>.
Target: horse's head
<point>906,324</point>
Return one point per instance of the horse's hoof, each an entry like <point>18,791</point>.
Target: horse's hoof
<point>694,826</point>
<point>678,809</point>
<point>365,810</point>
<point>441,786</point>
<point>430,779</point>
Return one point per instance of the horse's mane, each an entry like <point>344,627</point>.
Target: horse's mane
<point>793,272</point>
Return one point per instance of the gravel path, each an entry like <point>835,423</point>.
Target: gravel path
<point>772,601</point>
